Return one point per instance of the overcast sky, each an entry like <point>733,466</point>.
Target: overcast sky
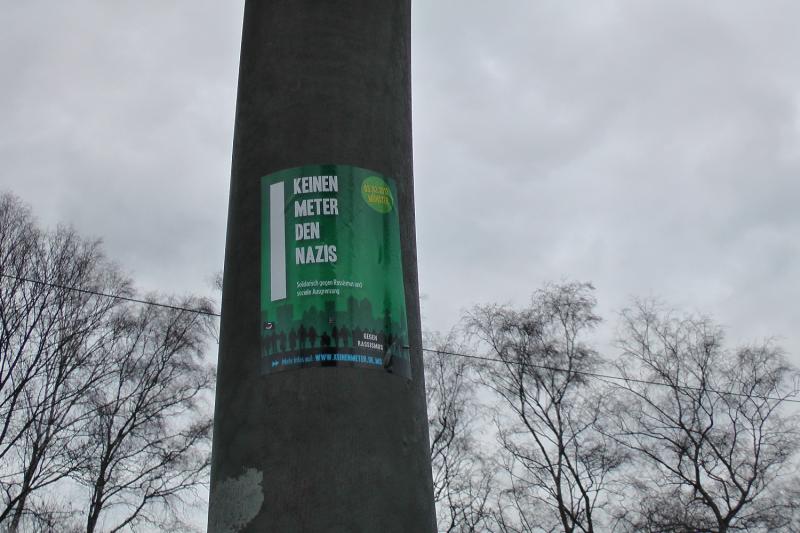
<point>652,148</point>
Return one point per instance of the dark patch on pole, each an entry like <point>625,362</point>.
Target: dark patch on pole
<point>324,449</point>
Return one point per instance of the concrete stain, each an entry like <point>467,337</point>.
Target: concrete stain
<point>235,502</point>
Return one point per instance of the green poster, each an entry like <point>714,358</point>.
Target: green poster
<point>331,271</point>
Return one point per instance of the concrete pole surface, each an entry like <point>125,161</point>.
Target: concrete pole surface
<point>325,449</point>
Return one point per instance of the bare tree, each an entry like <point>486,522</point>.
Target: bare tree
<point>150,435</point>
<point>556,462</point>
<point>49,351</point>
<point>462,481</point>
<point>101,400</point>
<point>711,439</point>
<point>49,514</point>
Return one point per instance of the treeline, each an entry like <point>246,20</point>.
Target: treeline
<point>105,409</point>
<point>538,435</point>
<point>104,418</point>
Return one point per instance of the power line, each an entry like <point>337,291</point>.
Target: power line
<point>606,376</point>
<point>113,296</point>
<point>596,375</point>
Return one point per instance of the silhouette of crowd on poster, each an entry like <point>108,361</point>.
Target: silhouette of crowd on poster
<point>355,330</point>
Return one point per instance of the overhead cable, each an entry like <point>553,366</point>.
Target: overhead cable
<point>596,375</point>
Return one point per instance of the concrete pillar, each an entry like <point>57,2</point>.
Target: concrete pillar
<point>326,448</point>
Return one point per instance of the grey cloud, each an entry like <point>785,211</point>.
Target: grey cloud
<point>119,120</point>
<point>649,147</point>
<point>653,147</point>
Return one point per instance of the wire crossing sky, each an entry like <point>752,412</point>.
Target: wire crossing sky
<point>428,350</point>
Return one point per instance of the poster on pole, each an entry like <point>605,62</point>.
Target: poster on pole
<point>332,291</point>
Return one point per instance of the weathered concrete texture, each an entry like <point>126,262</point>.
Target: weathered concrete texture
<point>341,449</point>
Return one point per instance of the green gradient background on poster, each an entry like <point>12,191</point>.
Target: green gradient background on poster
<point>367,241</point>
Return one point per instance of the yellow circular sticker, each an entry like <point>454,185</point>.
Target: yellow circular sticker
<point>377,194</point>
